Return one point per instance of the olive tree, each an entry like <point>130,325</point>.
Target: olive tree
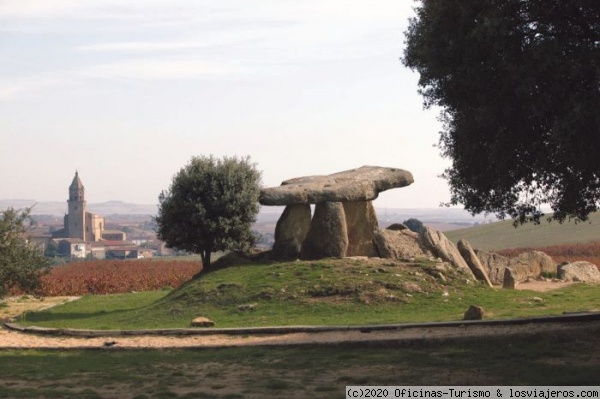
<point>21,264</point>
<point>210,206</point>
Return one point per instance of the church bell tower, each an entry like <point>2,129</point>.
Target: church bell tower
<point>76,216</point>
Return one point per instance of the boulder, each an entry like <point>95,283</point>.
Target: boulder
<point>494,264</point>
<point>400,244</point>
<point>472,261</point>
<point>362,223</point>
<point>397,227</point>
<point>531,265</point>
<point>202,322</point>
<point>443,248</point>
<point>290,231</point>
<point>509,281</point>
<point>361,184</point>
<point>328,234</point>
<point>474,313</point>
<point>581,271</point>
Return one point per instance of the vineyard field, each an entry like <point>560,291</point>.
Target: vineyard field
<point>116,276</point>
<point>589,252</point>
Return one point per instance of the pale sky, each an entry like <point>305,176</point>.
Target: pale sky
<point>127,91</point>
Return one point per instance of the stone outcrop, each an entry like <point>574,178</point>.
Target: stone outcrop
<point>473,262</point>
<point>400,244</point>
<point>581,271</point>
<point>355,185</point>
<point>344,222</point>
<point>445,249</point>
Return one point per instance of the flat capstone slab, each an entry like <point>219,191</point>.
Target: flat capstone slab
<point>361,184</point>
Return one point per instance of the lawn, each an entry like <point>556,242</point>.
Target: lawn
<point>298,372</point>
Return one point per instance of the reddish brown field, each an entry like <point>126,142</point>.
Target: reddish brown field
<point>116,276</point>
<point>564,253</point>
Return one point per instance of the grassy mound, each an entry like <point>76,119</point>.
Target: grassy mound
<point>325,292</point>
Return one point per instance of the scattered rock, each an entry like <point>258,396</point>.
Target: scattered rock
<point>474,313</point>
<point>202,322</point>
<point>472,261</point>
<point>581,271</point>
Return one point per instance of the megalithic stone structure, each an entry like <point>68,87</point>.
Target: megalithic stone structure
<point>344,221</point>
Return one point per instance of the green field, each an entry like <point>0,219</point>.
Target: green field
<point>503,235</point>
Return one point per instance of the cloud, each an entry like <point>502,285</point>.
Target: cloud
<point>154,69</point>
<point>21,86</point>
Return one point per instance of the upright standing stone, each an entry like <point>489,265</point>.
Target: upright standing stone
<point>328,234</point>
<point>473,262</point>
<point>362,224</point>
<point>510,280</point>
<point>291,230</point>
<point>441,246</point>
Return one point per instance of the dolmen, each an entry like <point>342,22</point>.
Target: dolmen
<point>344,221</point>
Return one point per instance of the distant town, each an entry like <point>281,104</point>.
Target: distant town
<point>118,230</point>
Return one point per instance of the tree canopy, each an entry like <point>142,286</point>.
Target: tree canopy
<point>518,82</point>
<point>210,206</point>
<point>414,225</point>
<point>21,264</point>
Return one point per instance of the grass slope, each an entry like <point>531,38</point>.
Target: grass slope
<point>502,235</point>
<point>326,292</point>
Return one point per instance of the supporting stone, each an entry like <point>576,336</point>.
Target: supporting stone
<point>362,224</point>
<point>328,234</point>
<point>291,230</point>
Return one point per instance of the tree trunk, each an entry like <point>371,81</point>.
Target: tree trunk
<point>205,255</point>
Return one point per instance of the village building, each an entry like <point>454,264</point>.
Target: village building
<point>84,234</point>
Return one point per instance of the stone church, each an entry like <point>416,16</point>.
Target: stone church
<point>78,222</point>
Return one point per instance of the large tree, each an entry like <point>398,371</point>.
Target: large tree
<point>21,264</point>
<point>210,206</point>
<point>518,82</point>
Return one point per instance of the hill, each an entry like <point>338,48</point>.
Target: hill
<point>503,235</point>
<point>58,208</point>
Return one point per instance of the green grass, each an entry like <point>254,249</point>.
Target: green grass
<point>328,292</point>
<point>502,235</point>
<point>300,372</point>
